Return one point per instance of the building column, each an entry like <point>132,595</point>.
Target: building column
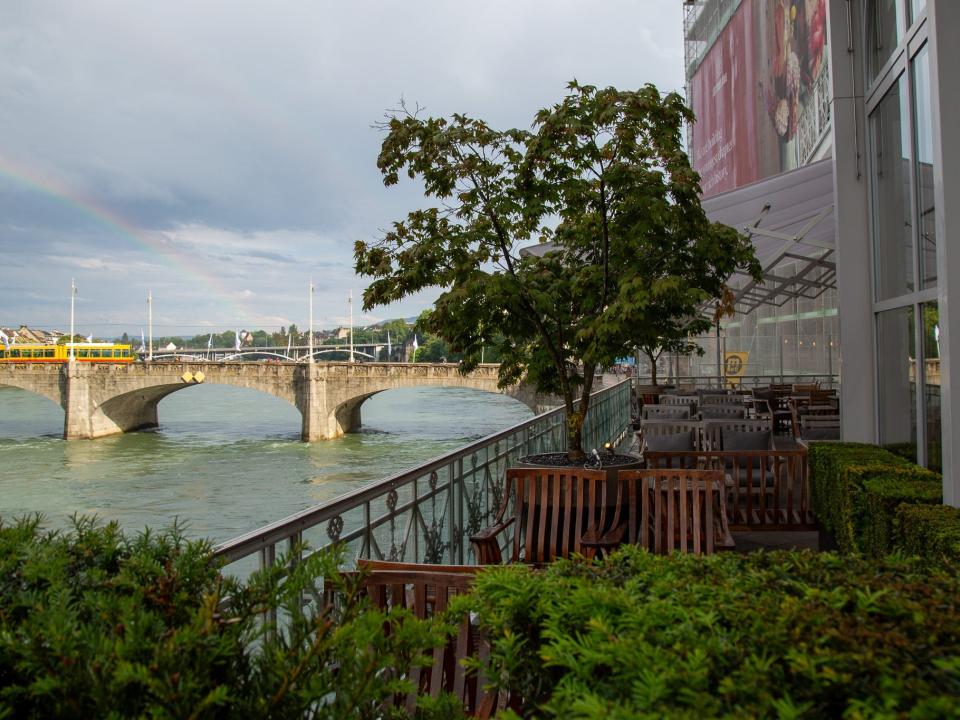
<point>851,212</point>
<point>943,17</point>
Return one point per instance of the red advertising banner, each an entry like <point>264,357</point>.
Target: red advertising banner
<point>758,92</point>
<point>724,135</point>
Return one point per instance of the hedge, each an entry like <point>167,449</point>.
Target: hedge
<point>777,634</point>
<point>931,532</point>
<point>855,489</point>
<point>882,495</point>
<point>93,624</point>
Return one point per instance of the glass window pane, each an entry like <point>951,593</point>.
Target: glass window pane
<point>896,370</point>
<point>924,128</point>
<point>893,238</point>
<point>884,28</point>
<point>931,354</point>
<point>916,7</point>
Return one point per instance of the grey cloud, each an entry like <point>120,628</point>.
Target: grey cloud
<point>251,124</point>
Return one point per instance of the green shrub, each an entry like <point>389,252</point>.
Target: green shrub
<point>882,495</point>
<point>93,624</point>
<point>931,532</point>
<point>837,473</point>
<point>784,635</point>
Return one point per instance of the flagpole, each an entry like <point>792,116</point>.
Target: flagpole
<point>73,294</point>
<point>311,322</point>
<point>350,299</point>
<point>150,324</point>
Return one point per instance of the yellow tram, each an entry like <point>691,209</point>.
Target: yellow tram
<point>82,352</point>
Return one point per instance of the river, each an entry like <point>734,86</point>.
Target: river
<point>225,460</point>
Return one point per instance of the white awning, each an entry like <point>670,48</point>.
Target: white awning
<point>790,220</point>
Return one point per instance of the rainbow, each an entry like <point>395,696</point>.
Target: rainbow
<point>159,248</point>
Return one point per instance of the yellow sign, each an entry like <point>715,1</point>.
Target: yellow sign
<point>735,365</point>
<point>187,376</point>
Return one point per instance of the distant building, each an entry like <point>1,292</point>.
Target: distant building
<point>29,336</point>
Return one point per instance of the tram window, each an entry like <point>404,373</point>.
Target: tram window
<point>83,353</point>
<point>124,353</point>
<point>38,354</point>
<point>117,353</point>
<point>48,353</point>
<point>14,353</point>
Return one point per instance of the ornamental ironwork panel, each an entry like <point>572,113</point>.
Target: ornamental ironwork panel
<point>428,513</point>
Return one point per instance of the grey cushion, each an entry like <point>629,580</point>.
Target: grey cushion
<point>745,439</point>
<point>671,442</point>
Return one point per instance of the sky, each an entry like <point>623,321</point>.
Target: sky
<point>221,153</point>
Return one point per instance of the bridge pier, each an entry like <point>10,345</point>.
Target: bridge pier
<point>92,413</point>
<point>325,414</point>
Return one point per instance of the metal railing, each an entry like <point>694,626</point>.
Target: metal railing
<point>745,381</point>
<point>427,514</point>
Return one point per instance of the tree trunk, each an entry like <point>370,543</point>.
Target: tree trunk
<point>575,419</point>
<point>653,367</point>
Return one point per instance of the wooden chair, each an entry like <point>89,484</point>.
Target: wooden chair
<point>713,431</point>
<point>723,412</point>
<point>725,399</point>
<point>661,428</point>
<point>673,412</point>
<point>425,590</point>
<point>669,511</point>
<point>764,489</point>
<point>682,400</point>
<point>550,509</point>
<point>819,427</point>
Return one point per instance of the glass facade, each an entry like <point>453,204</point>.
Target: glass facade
<point>931,356</point>
<point>884,30</point>
<point>924,168</point>
<point>896,371</point>
<point>891,186</point>
<point>917,7</point>
<point>904,230</point>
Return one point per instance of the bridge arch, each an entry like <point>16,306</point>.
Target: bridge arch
<point>45,384</point>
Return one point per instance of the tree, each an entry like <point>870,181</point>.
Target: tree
<point>603,178</point>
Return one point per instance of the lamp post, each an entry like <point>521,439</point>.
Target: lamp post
<point>73,295</point>
<point>310,331</point>
<point>150,324</point>
<point>350,300</point>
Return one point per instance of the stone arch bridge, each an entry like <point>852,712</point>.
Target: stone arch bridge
<point>106,399</point>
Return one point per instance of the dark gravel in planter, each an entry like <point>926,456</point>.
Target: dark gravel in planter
<point>561,460</point>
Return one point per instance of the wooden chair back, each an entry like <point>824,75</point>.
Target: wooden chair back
<point>725,399</point>
<point>549,509</point>
<point>674,412</point>
<point>805,387</point>
<point>764,489</point>
<point>819,427</point>
<point>425,591</point>
<point>682,400</point>
<point>723,412</point>
<point>713,430</point>
<point>670,511</point>
<point>651,428</point>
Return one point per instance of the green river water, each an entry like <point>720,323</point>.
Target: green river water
<point>225,460</point>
